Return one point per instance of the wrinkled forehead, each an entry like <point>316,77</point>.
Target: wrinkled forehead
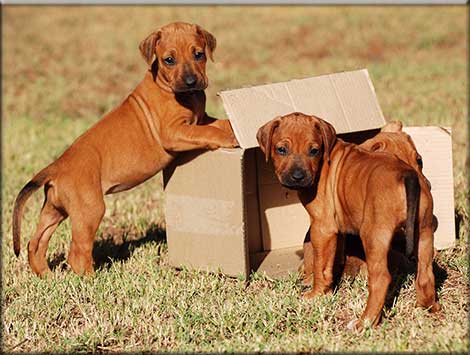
<point>409,140</point>
<point>402,139</point>
<point>397,143</point>
<point>178,38</point>
<point>299,128</point>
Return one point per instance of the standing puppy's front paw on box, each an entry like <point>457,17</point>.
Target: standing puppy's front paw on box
<point>229,141</point>
<point>234,143</point>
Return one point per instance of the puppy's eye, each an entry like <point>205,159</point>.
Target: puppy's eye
<point>281,150</point>
<point>198,55</point>
<point>313,152</point>
<point>419,160</point>
<point>169,61</point>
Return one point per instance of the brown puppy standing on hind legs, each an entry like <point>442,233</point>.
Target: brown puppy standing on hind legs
<point>346,189</point>
<point>163,115</point>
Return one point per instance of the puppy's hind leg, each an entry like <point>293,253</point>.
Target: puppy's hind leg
<point>376,243</point>
<point>425,284</point>
<point>86,216</point>
<point>49,219</point>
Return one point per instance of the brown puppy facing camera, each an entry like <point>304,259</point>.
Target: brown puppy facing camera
<point>163,115</point>
<point>347,189</point>
<point>181,52</point>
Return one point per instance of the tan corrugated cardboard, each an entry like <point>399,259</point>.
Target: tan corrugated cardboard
<point>277,263</point>
<point>434,144</point>
<point>226,211</point>
<point>277,205</point>
<point>204,211</point>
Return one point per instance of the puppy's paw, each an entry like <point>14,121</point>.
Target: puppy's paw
<point>229,141</point>
<point>311,294</point>
<point>46,273</point>
<point>436,307</point>
<point>234,143</point>
<point>307,280</point>
<point>213,146</point>
<point>355,325</point>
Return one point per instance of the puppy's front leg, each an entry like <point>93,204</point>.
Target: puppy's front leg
<point>324,250</point>
<point>214,122</point>
<point>308,261</point>
<point>188,137</point>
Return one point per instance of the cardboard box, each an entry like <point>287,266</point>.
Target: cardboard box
<point>434,144</point>
<point>226,211</point>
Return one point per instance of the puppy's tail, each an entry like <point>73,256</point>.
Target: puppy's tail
<point>36,182</point>
<point>413,191</point>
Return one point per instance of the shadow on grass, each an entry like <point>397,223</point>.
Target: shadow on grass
<point>400,279</point>
<point>399,265</point>
<point>115,245</point>
<point>459,219</point>
<point>111,249</point>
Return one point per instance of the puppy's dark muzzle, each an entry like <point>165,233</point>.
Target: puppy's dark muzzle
<point>190,82</point>
<point>297,179</point>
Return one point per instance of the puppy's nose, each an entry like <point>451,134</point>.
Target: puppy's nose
<point>190,80</point>
<point>298,175</point>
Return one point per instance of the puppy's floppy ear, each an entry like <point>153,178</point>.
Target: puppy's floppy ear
<point>210,40</point>
<point>147,46</point>
<point>265,136</point>
<point>377,146</point>
<point>392,126</point>
<point>328,134</point>
<point>374,144</point>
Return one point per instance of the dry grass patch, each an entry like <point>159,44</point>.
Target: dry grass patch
<point>63,67</point>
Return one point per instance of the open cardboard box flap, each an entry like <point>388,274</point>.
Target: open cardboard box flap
<point>347,100</point>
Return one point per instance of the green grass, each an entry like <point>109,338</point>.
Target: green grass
<point>63,67</point>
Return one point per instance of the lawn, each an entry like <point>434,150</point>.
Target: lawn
<point>64,67</point>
